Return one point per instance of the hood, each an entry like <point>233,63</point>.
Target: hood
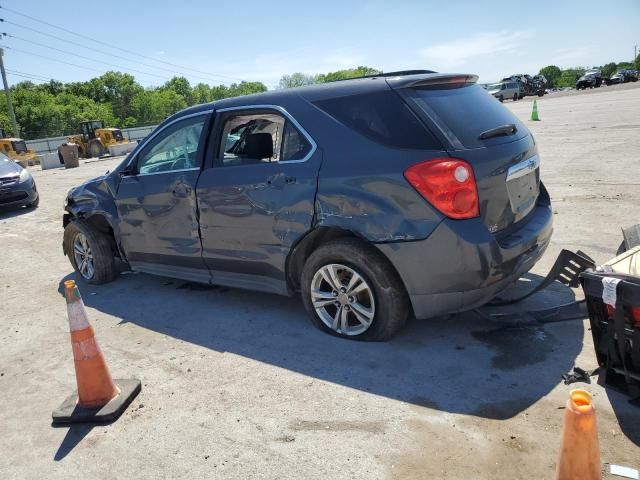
<point>9,168</point>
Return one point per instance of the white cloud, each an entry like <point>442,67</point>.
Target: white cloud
<point>485,44</point>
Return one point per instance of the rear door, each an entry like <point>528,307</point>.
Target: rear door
<point>156,202</point>
<point>499,147</point>
<point>257,200</point>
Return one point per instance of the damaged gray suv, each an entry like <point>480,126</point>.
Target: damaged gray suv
<point>375,198</point>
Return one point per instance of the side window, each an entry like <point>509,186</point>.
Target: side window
<point>251,138</point>
<point>175,148</point>
<point>382,117</point>
<point>294,145</point>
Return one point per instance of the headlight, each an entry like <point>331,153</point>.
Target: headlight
<point>24,175</point>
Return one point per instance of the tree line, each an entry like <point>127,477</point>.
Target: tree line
<point>54,108</point>
<point>559,78</point>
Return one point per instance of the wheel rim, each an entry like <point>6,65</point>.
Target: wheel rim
<point>83,256</point>
<point>342,299</point>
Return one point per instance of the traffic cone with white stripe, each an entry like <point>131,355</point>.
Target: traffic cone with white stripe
<point>99,398</point>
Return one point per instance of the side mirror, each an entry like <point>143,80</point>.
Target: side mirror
<point>128,171</point>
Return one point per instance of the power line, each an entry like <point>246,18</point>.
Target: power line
<point>209,79</point>
<point>115,47</point>
<point>52,59</point>
<point>73,54</point>
<point>27,75</point>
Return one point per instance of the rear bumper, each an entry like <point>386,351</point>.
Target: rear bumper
<point>461,265</point>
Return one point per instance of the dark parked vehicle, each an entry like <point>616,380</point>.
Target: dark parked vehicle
<point>528,85</point>
<point>623,76</point>
<point>591,79</point>
<point>17,187</point>
<point>373,197</point>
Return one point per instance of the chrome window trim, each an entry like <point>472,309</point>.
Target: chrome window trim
<point>289,117</point>
<point>157,132</point>
<point>523,168</point>
<point>168,171</point>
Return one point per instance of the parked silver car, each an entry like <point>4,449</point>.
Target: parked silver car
<point>504,90</point>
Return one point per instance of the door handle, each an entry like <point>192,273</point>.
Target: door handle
<point>181,190</point>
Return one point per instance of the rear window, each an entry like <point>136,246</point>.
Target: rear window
<point>464,113</point>
<point>382,117</point>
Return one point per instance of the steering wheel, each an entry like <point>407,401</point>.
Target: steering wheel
<point>181,162</point>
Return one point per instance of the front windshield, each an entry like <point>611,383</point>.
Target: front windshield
<point>4,160</point>
<point>495,86</point>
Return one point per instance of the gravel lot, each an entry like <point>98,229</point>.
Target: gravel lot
<point>240,385</point>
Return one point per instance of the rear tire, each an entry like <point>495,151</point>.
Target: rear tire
<point>515,97</point>
<point>379,290</point>
<point>80,235</point>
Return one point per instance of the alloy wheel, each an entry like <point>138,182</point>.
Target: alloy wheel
<point>342,299</point>
<point>83,256</point>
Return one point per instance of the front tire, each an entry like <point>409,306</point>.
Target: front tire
<point>350,290</point>
<point>89,252</point>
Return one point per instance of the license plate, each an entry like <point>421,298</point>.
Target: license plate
<point>523,185</point>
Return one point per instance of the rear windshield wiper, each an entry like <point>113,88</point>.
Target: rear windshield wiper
<point>508,129</point>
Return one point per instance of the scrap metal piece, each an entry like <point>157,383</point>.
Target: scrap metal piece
<point>631,237</point>
<point>566,269</point>
<point>579,375</point>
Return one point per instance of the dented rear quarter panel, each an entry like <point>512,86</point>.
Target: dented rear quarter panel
<point>361,188</point>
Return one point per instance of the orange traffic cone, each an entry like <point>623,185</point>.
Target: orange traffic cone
<point>99,398</point>
<point>579,454</point>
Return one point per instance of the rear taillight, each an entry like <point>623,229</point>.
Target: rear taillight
<point>448,184</point>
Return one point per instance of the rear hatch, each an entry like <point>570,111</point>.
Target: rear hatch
<point>475,127</point>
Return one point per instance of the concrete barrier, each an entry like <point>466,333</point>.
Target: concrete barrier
<point>49,160</point>
<point>121,149</point>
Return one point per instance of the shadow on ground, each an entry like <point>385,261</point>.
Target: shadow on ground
<point>10,212</point>
<point>74,436</point>
<point>461,364</point>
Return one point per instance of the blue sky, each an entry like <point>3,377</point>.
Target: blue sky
<point>262,40</point>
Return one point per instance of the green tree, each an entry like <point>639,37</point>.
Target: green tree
<point>636,63</point>
<point>346,74</point>
<point>153,106</point>
<point>245,88</point>
<point>608,69</point>
<point>118,89</point>
<point>201,93</point>
<point>552,74</point>
<point>37,113</point>
<point>296,80</point>
<point>569,77</point>
<point>182,87</point>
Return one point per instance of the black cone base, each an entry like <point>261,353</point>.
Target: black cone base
<point>71,412</point>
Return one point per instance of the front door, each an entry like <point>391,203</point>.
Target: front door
<point>258,199</point>
<point>157,206</point>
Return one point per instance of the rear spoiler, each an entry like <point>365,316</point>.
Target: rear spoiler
<point>436,81</point>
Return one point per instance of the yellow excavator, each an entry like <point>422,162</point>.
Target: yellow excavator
<point>16,149</point>
<point>95,139</point>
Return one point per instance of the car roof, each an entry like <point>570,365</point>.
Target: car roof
<point>322,90</point>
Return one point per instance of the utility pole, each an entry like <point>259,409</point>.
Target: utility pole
<point>7,94</point>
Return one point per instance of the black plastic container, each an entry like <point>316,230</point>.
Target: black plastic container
<point>615,330</point>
